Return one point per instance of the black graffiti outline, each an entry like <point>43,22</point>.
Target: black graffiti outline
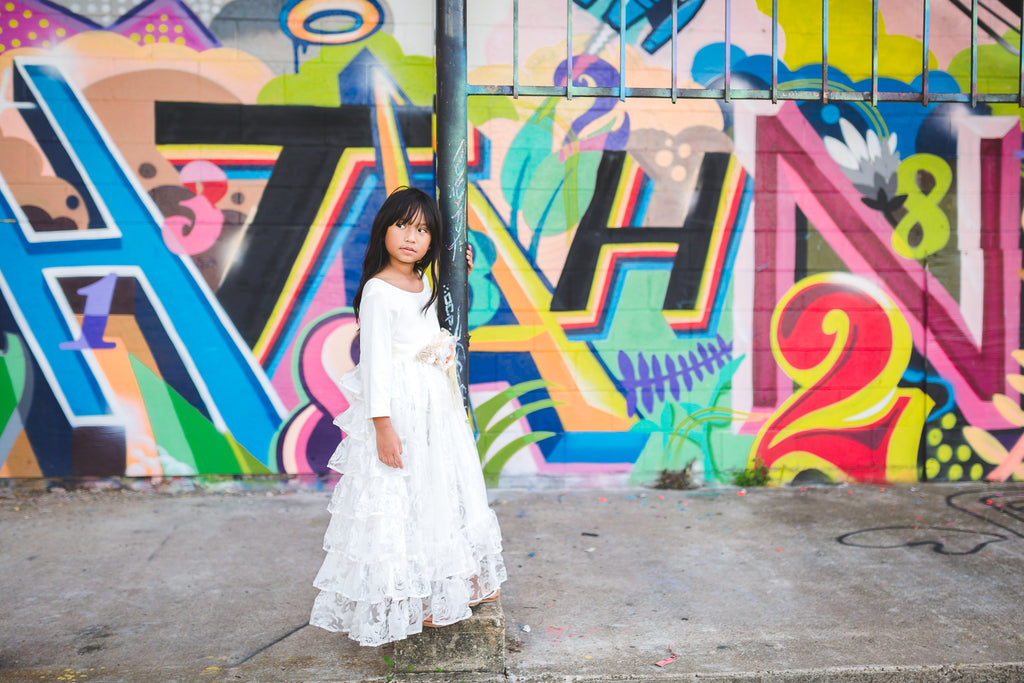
<point>984,498</point>
<point>937,545</point>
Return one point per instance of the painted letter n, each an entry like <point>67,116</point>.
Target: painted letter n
<point>793,169</point>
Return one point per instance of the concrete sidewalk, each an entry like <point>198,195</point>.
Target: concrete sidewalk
<point>841,583</point>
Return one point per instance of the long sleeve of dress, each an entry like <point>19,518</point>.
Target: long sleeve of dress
<point>375,351</point>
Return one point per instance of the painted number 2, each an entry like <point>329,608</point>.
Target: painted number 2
<point>846,345</point>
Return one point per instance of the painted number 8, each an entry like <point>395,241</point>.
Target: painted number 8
<point>922,208</point>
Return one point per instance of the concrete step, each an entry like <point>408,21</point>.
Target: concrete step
<point>474,644</point>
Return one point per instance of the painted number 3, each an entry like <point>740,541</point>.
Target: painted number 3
<point>846,345</point>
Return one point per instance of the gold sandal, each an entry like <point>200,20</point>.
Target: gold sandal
<point>490,598</point>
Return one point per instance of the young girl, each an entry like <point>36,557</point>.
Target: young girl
<point>411,541</point>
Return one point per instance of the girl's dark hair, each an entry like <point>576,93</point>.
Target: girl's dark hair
<point>401,206</point>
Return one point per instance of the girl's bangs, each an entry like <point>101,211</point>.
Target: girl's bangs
<point>410,214</point>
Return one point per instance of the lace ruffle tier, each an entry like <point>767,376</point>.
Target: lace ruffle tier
<point>406,544</point>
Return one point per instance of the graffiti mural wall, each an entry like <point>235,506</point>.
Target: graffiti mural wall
<point>830,288</point>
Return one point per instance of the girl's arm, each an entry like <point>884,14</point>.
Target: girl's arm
<point>375,360</point>
<point>389,446</point>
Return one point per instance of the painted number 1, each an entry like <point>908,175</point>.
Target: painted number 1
<point>98,296</point>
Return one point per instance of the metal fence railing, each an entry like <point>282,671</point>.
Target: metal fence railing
<point>774,92</point>
<point>453,89</point>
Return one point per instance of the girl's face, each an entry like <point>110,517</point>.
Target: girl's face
<point>408,242</point>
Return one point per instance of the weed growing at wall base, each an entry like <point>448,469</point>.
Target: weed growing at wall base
<point>676,480</point>
<point>753,476</point>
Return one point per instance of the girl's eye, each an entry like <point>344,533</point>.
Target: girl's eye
<point>424,230</point>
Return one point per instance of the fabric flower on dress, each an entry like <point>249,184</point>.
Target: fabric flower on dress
<point>440,351</point>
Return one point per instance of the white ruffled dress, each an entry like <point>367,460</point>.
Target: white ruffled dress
<point>404,545</point>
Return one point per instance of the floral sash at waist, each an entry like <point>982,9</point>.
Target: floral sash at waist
<point>440,353</point>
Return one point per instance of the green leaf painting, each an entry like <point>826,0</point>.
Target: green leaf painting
<point>492,427</point>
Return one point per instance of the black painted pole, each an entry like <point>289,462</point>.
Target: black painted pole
<point>452,125</point>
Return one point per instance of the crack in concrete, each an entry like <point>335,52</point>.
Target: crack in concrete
<point>255,652</point>
<point>162,543</point>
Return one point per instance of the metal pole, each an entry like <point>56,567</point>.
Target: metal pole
<point>622,50</point>
<point>728,48</point>
<point>924,53</point>
<point>515,49</point>
<point>675,50</point>
<point>1020,66</point>
<point>874,53</point>
<point>568,49</point>
<point>452,126</point>
<point>775,51</point>
<point>974,53</point>
<point>824,51</point>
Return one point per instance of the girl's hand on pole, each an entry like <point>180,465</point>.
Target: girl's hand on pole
<point>469,259</point>
<point>389,446</point>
